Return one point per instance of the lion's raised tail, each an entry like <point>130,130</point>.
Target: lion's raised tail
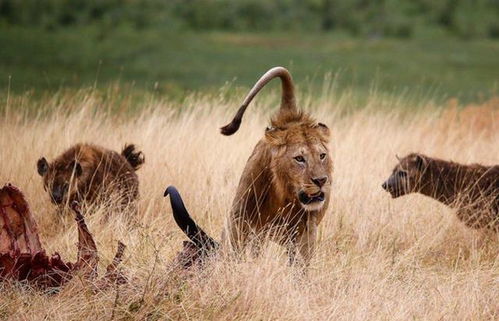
<point>288,101</point>
<point>186,223</point>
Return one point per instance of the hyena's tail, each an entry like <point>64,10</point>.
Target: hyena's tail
<point>136,159</point>
<point>186,223</point>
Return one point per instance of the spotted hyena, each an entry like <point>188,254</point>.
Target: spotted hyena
<point>91,173</point>
<point>473,190</point>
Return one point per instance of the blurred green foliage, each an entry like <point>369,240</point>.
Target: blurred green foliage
<point>173,64</point>
<point>157,46</point>
<point>393,18</point>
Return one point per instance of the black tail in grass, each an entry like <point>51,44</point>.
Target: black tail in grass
<point>187,224</point>
<point>136,159</point>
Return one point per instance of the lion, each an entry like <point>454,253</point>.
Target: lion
<point>93,174</point>
<point>284,190</point>
<point>473,190</point>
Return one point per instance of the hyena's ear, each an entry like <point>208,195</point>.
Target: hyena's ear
<point>76,167</point>
<point>42,166</point>
<point>420,161</point>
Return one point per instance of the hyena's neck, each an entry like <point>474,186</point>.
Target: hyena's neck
<point>444,181</point>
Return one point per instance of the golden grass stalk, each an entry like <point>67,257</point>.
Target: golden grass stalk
<point>377,258</point>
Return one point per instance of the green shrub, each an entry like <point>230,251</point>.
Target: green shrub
<point>393,18</point>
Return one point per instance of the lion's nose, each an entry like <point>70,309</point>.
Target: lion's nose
<point>320,181</point>
<point>384,185</point>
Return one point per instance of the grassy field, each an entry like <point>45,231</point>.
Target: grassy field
<point>172,64</point>
<point>377,258</point>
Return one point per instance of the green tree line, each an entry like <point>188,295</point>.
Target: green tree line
<point>393,18</point>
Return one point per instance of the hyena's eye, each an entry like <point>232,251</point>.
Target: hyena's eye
<point>402,174</point>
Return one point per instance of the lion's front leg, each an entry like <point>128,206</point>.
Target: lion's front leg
<point>306,241</point>
<point>291,251</point>
<point>236,235</point>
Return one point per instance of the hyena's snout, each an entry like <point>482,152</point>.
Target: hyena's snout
<point>393,186</point>
<point>58,193</point>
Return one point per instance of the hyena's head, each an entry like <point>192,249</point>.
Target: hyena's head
<point>407,176</point>
<point>60,179</point>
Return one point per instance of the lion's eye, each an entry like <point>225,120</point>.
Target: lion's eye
<point>322,156</point>
<point>300,159</point>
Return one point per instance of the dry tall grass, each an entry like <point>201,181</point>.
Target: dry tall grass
<point>377,258</point>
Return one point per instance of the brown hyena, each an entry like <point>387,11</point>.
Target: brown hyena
<point>473,190</point>
<point>91,173</point>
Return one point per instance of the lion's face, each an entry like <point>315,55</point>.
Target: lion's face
<point>301,164</point>
<point>406,176</point>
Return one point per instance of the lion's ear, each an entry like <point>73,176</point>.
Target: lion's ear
<point>324,130</point>
<point>274,136</point>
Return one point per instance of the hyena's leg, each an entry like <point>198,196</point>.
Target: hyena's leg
<point>306,241</point>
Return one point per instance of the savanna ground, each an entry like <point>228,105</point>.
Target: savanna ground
<point>377,258</point>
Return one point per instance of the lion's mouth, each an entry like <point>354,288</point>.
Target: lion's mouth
<point>306,199</point>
